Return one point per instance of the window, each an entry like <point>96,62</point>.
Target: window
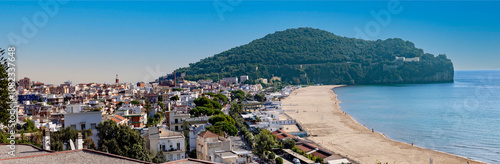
<point>178,156</point>
<point>176,121</point>
<point>176,128</point>
<point>82,126</point>
<point>92,126</point>
<point>178,146</point>
<point>163,147</point>
<point>73,126</point>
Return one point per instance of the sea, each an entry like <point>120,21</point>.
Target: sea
<point>460,118</point>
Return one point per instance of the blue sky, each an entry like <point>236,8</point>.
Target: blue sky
<point>91,41</point>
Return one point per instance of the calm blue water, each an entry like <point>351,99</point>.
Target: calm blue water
<point>461,118</point>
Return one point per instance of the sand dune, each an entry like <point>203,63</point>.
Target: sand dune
<point>319,113</point>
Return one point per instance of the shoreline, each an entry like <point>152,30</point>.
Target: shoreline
<point>342,134</point>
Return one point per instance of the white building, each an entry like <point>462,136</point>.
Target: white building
<point>171,143</point>
<point>404,59</point>
<point>194,130</point>
<point>83,120</point>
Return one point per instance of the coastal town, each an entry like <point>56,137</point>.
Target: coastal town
<point>170,120</point>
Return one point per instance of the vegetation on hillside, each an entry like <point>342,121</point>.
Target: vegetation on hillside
<point>312,56</point>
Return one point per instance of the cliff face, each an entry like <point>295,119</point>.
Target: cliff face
<point>430,72</point>
<point>313,56</point>
<point>439,77</point>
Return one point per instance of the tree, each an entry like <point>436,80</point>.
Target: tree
<point>221,118</point>
<point>279,160</point>
<point>221,127</point>
<point>192,154</point>
<point>239,94</point>
<point>271,155</point>
<point>135,102</point>
<point>222,98</point>
<point>260,97</point>
<point>57,139</point>
<point>121,140</point>
<point>119,104</point>
<point>206,102</point>
<point>147,106</point>
<point>159,157</point>
<point>198,111</point>
<point>29,125</point>
<point>174,98</point>
<point>264,141</point>
<point>162,106</point>
<point>4,92</point>
<point>288,143</point>
<point>177,89</point>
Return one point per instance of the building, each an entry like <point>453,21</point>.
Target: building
<point>141,84</point>
<point>151,97</point>
<point>175,120</point>
<point>230,80</point>
<point>171,143</point>
<point>118,119</point>
<point>25,83</point>
<point>137,120</point>
<point>208,143</point>
<point>30,97</point>
<point>232,157</point>
<point>404,59</point>
<point>262,80</point>
<point>194,130</point>
<point>243,78</point>
<point>80,119</point>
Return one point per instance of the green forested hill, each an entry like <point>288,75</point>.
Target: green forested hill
<point>313,56</point>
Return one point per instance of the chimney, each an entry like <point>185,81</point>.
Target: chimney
<point>46,139</point>
<point>79,141</point>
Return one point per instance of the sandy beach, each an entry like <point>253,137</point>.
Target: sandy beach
<point>319,113</point>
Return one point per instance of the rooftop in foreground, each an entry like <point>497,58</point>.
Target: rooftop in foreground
<point>32,154</point>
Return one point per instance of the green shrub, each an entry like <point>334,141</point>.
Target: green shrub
<point>279,160</point>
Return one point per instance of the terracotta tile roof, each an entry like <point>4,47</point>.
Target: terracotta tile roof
<point>208,134</point>
<point>117,118</point>
<point>38,83</point>
<point>316,146</point>
<point>321,154</point>
<point>280,134</point>
<point>305,147</point>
